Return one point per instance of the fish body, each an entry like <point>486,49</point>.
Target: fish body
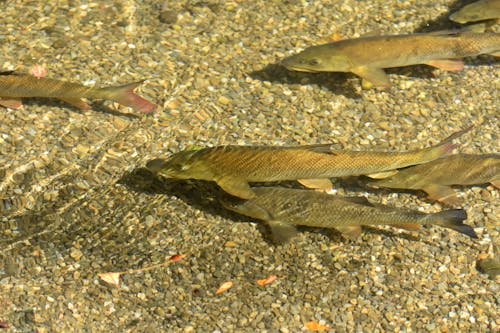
<point>477,11</point>
<point>233,167</point>
<point>437,176</point>
<point>368,56</point>
<point>284,208</point>
<point>14,86</point>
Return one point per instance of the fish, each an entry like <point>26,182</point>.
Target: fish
<point>368,56</point>
<point>437,176</point>
<point>233,167</point>
<point>491,264</point>
<point>14,86</point>
<point>285,208</point>
<point>477,11</point>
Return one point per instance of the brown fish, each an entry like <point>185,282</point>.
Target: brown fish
<point>14,86</point>
<point>477,11</point>
<point>233,167</point>
<point>437,176</point>
<point>368,56</point>
<point>284,208</point>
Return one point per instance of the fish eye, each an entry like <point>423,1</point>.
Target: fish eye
<point>314,62</point>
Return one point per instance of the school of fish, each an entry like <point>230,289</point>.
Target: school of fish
<point>233,168</point>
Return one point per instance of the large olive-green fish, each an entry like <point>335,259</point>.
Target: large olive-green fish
<point>437,176</point>
<point>477,11</point>
<point>233,167</point>
<point>284,208</point>
<point>368,56</point>
<point>14,86</point>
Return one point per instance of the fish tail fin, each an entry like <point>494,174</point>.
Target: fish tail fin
<point>125,95</point>
<point>453,219</point>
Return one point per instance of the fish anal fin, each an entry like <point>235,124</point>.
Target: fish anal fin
<point>236,187</point>
<point>372,76</point>
<point>282,232</point>
<point>12,103</point>
<point>496,183</point>
<point>446,64</point>
<point>407,226</point>
<point>381,175</point>
<point>76,102</point>
<point>317,183</point>
<point>441,193</point>
<point>350,231</point>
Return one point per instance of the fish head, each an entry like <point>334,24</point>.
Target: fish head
<point>470,13</point>
<point>182,165</point>
<point>319,58</point>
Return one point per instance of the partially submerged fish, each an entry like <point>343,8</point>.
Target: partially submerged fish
<point>436,177</point>
<point>233,167</point>
<point>477,11</point>
<point>14,86</point>
<point>284,208</point>
<point>368,56</point>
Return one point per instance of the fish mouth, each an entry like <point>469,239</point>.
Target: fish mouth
<point>286,63</point>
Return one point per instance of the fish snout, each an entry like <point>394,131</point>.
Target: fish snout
<point>156,165</point>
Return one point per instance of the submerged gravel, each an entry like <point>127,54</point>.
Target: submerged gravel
<point>74,201</point>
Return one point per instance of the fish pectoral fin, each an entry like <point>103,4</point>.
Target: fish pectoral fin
<point>317,183</point>
<point>372,77</point>
<point>496,183</point>
<point>350,231</point>
<point>381,175</point>
<point>441,193</point>
<point>236,186</point>
<point>407,226</point>
<point>446,64</point>
<point>76,102</point>
<point>13,103</point>
<point>282,232</point>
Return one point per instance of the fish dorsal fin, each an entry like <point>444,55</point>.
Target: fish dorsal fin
<point>350,231</point>
<point>282,232</point>
<point>382,175</point>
